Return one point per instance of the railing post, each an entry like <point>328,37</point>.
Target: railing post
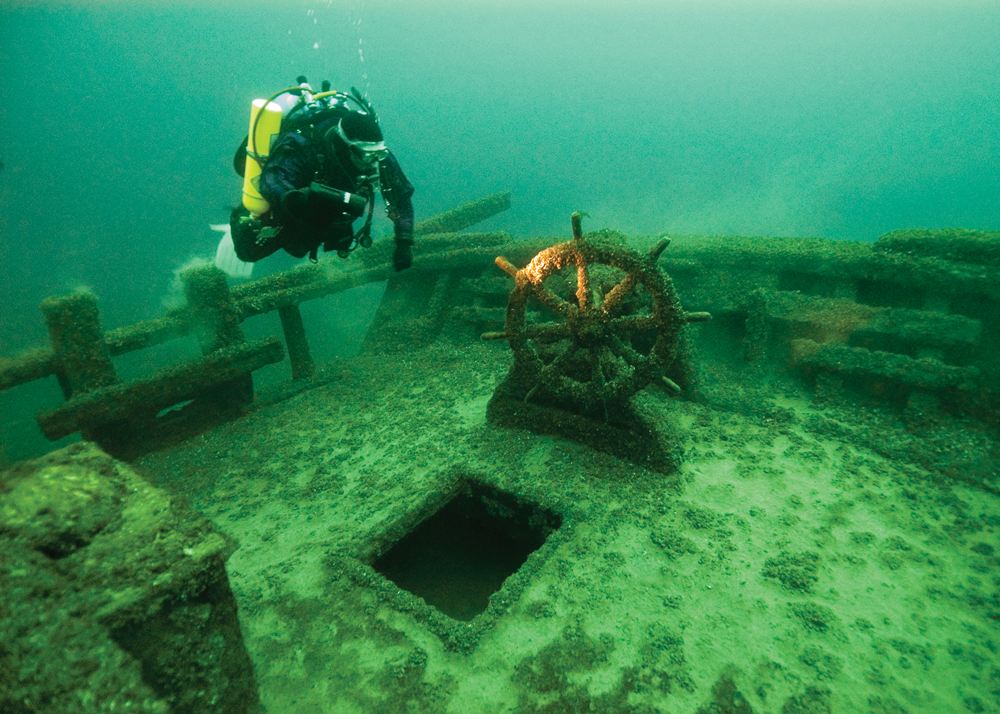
<point>216,321</point>
<point>82,356</point>
<point>216,324</point>
<point>78,342</point>
<point>296,342</point>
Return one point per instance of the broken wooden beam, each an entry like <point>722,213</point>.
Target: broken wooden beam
<point>468,214</point>
<point>34,364</point>
<point>123,401</point>
<point>925,373</point>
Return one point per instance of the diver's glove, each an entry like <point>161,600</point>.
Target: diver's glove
<point>320,204</point>
<point>402,257</point>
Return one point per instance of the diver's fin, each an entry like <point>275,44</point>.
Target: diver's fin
<point>225,255</point>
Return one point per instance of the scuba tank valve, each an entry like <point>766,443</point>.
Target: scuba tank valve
<point>293,98</point>
<point>265,124</point>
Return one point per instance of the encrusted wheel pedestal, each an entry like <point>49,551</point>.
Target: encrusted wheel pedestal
<point>612,333</point>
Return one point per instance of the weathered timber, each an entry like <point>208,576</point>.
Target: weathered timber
<point>148,333</point>
<point>839,320</point>
<point>295,339</point>
<point>305,274</point>
<point>80,354</point>
<point>468,214</point>
<point>32,365</point>
<point>84,362</point>
<point>215,321</point>
<point>320,284</point>
<point>41,362</point>
<point>98,564</point>
<point>437,242</point>
<point>956,244</point>
<point>802,263</point>
<point>214,316</point>
<point>292,287</point>
<point>164,389</point>
<point>313,281</point>
<point>925,373</point>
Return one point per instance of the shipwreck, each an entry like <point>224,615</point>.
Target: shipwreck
<point>591,472</point>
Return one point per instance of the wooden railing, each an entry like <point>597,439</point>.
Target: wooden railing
<point>120,415</point>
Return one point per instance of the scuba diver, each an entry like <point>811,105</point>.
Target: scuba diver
<point>312,164</point>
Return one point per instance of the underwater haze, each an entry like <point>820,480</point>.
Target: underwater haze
<point>829,119</point>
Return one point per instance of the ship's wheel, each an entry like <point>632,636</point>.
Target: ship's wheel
<point>612,335</point>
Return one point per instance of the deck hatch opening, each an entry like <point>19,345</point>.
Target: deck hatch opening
<point>459,556</point>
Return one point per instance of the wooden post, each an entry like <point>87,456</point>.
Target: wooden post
<point>216,324</point>
<point>78,343</point>
<point>296,342</point>
<point>213,314</point>
<point>82,357</point>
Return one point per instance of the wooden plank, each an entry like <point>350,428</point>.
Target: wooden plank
<point>925,373</point>
<point>36,364</point>
<point>164,389</point>
<point>468,214</point>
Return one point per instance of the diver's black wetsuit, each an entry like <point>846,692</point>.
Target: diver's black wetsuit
<point>295,162</point>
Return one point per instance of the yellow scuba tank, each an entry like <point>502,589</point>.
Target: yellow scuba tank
<point>265,124</point>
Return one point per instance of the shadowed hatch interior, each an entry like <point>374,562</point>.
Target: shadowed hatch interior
<point>455,559</point>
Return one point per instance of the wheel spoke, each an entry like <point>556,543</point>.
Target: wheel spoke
<point>555,367</point>
<point>548,333</point>
<point>597,368</point>
<point>584,296</point>
<point>614,367</point>
<point>625,352</point>
<point>613,300</point>
<point>552,301</point>
<point>632,324</point>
